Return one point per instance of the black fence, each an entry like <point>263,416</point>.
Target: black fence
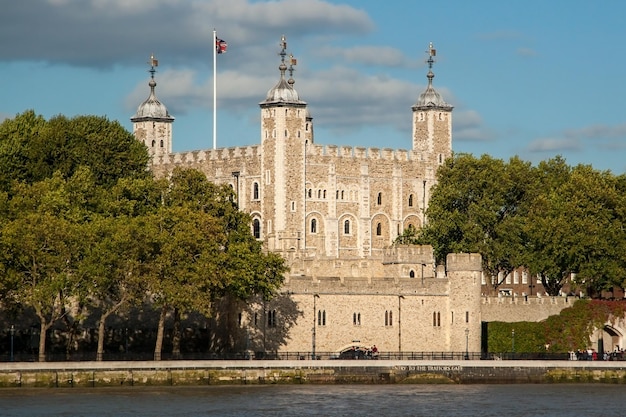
<point>348,355</point>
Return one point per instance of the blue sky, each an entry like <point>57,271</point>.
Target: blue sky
<point>529,78</point>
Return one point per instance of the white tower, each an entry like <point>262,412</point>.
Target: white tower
<point>152,124</point>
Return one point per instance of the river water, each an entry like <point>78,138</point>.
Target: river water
<point>320,400</point>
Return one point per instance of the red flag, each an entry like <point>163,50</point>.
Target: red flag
<point>220,45</point>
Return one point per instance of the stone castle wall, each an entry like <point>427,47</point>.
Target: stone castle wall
<point>530,308</point>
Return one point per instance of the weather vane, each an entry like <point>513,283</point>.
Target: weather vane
<point>431,53</point>
<point>153,64</point>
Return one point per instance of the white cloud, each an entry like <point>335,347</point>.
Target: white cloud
<point>554,145</point>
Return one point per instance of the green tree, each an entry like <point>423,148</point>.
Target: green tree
<point>32,149</point>
<point>204,249</point>
<point>575,226</point>
<point>40,246</point>
<point>477,206</point>
<point>113,267</point>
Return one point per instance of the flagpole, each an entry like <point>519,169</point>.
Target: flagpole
<point>214,89</point>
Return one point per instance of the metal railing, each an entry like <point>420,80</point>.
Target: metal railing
<point>348,355</point>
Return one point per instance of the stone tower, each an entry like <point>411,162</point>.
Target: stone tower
<point>152,124</point>
<point>286,129</point>
<point>432,122</point>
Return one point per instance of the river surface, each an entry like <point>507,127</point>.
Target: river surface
<point>320,400</point>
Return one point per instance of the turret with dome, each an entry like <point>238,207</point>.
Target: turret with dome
<point>152,123</point>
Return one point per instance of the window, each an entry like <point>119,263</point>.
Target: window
<point>388,318</point>
<point>271,318</point>
<point>310,193</point>
<point>356,319</point>
<point>255,191</point>
<point>411,274</point>
<point>324,194</point>
<point>256,228</point>
<point>319,193</point>
<point>346,227</point>
<point>467,317</point>
<point>313,226</point>
<point>436,319</point>
<point>239,319</point>
<point>379,230</point>
<point>321,317</point>
<point>379,199</point>
<point>161,143</point>
<point>411,200</point>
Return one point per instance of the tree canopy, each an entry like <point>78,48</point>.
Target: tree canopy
<point>85,227</point>
<point>555,220</point>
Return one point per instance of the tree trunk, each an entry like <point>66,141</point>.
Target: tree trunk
<point>160,330</point>
<point>176,335</point>
<point>43,329</point>
<point>102,328</point>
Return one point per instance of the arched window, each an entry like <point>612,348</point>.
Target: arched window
<point>411,274</point>
<point>310,193</point>
<point>319,193</point>
<point>256,228</point>
<point>314,226</point>
<point>388,318</point>
<point>379,229</point>
<point>255,191</point>
<point>321,317</point>
<point>271,318</point>
<point>337,195</point>
<point>324,194</point>
<point>411,200</point>
<point>379,199</point>
<point>346,227</point>
<point>153,143</point>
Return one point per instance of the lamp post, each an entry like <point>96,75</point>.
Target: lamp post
<point>12,331</point>
<point>400,297</point>
<point>466,344</point>
<point>513,341</point>
<point>315,297</point>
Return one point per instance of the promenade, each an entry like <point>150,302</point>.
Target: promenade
<point>224,372</point>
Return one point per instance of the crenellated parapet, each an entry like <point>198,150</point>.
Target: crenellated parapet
<point>463,262</point>
<point>200,156</point>
<point>409,254</point>
<point>358,152</point>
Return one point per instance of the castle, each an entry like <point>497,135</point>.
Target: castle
<point>333,212</point>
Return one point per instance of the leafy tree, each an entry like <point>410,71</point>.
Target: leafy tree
<point>477,206</point>
<point>40,246</point>
<point>32,149</point>
<point>575,226</point>
<point>113,267</point>
<point>204,249</point>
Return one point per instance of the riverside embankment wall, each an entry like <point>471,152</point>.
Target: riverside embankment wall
<point>194,373</point>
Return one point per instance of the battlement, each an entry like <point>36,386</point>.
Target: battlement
<point>408,254</point>
<point>384,154</point>
<point>529,300</point>
<point>198,156</point>
<point>464,262</point>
